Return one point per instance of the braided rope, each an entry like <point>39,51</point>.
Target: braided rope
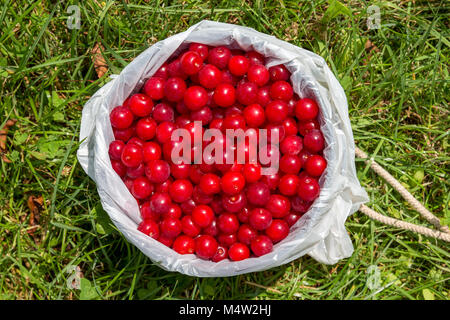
<point>443,234</point>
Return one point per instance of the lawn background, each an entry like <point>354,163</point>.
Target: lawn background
<point>397,82</point>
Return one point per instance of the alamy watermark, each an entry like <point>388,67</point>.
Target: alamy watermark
<point>374,17</point>
<point>74,20</point>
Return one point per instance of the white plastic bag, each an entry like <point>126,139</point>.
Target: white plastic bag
<point>319,233</point>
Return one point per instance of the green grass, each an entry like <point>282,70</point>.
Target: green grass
<point>398,103</point>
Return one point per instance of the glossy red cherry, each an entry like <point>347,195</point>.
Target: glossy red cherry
<point>205,246</point>
<point>259,219</point>
<point>164,187</point>
<point>162,72</point>
<point>202,215</point>
<point>258,74</point>
<point>141,188</point>
<point>180,171</point>
<point>191,62</point>
<point>160,202</point>
<point>210,183</point>
<point>304,156</point>
<point>289,184</point>
<point>163,112</point>
<point>200,197</point>
<point>212,229</point>
<point>164,131</point>
<point>204,115</point>
<point>141,105</point>
<point>187,206</point>
<point>313,141</point>
<point>306,126</point>
<point>234,122</point>
<point>224,95</point>
<point>271,180</point>
<point>124,134</point>
<point>181,190</point>
<point>255,58</point>
<point>290,164</point>
<point>157,171</point>
<point>189,227</point>
<point>219,56</point>
<point>234,203</point>
<point>115,149</point>
<point>299,205</point>
<point>278,205</point>
<point>174,212</point>
<point>137,141</point>
<point>306,109</point>
<point>195,174</point>
<point>175,71</point>
<point>246,234</point>
<point>154,88</point>
<point>146,128</point>
<point>227,240</point>
<point>135,172</point>
<point>251,172</point>
<point>308,188</point>
<point>247,93</point>
<point>261,245</point>
<point>118,167</point>
<point>232,182</point>
<point>221,254</point>
<point>254,115</point>
<point>210,76</point>
<point>315,165</point>
<point>200,48</point>
<point>263,97</point>
<point>258,193</point>
<point>147,213</point>
<point>281,90</point>
<point>132,155</point>
<point>170,228</point>
<point>151,151</point>
<point>121,117</point>
<point>184,245</point>
<point>238,65</point>
<point>166,241</point>
<point>291,145</point>
<point>279,73</point>
<point>278,230</point>
<point>276,111</point>
<point>238,252</point>
<point>228,223</point>
<point>195,98</point>
<point>292,218</point>
<point>150,228</point>
<point>174,89</point>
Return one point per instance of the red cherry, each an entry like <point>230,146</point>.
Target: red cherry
<point>164,187</point>
<point>258,193</point>
<point>189,227</point>
<point>228,223</point>
<point>141,105</point>
<point>251,172</point>
<point>135,172</point>
<point>258,74</point>
<point>174,89</point>
<point>132,155</point>
<point>184,245</point>
<point>291,145</point>
<point>195,98</point>
<point>278,230</point>
<point>216,123</point>
<point>278,205</point>
<point>210,76</point>
<point>160,202</point>
<point>314,141</point>
<point>151,151</point>
<point>261,245</point>
<point>147,213</point>
<point>212,229</point>
<point>164,131</point>
<point>224,95</point>
<point>300,205</point>
<point>200,48</point>
<point>281,90</point>
<point>157,171</point>
<point>202,215</point>
<point>166,241</point>
<point>195,174</point>
<point>292,218</point>
<point>275,129</point>
<point>238,65</point>
<point>234,203</point>
<point>188,206</point>
<point>181,190</point>
<point>290,164</point>
<point>308,188</point>
<point>306,109</point>
<point>279,73</point>
<point>276,111</point>
<point>232,182</point>
<point>191,62</point>
<point>210,183</point>
<point>200,197</point>
<point>115,149</point>
<point>154,88</point>
<point>288,184</point>
<point>306,126</point>
<point>205,247</point>
<point>150,228</point>
<point>221,254</point>
<point>227,240</point>
<point>119,168</point>
<point>254,115</point>
<point>315,165</point>
<point>246,234</point>
<point>219,56</point>
<point>259,218</point>
<point>255,58</point>
<point>170,228</point>
<point>124,134</point>
<point>174,212</point>
<point>204,115</point>
<point>162,72</point>
<point>141,188</point>
<point>238,252</point>
<point>163,112</point>
<point>234,121</point>
<point>121,117</point>
<point>137,141</point>
<point>146,128</point>
<point>304,156</point>
<point>263,97</point>
<point>174,69</point>
<point>180,171</point>
<point>247,93</point>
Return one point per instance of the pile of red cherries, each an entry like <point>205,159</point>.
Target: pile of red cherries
<point>218,211</point>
